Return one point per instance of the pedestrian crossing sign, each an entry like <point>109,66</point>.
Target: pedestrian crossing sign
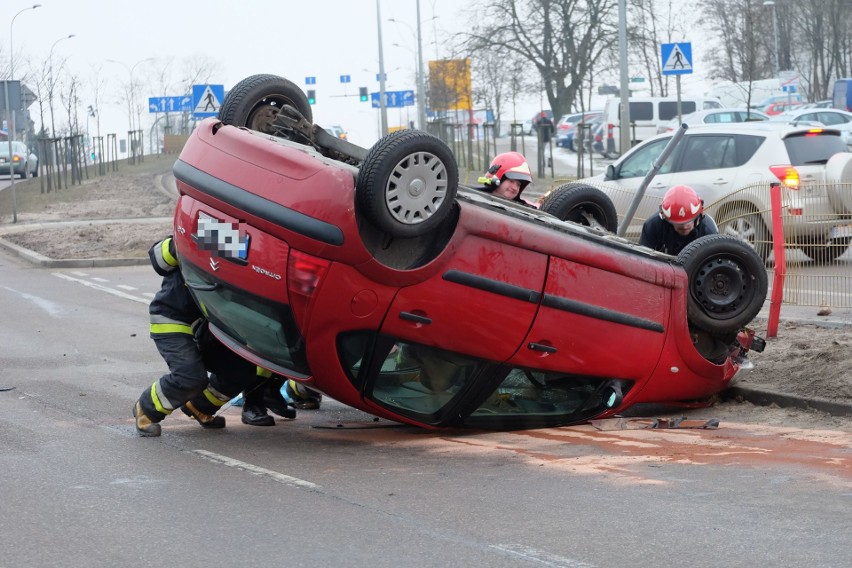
<point>677,58</point>
<point>206,100</point>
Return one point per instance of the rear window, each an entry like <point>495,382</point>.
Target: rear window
<point>813,147</point>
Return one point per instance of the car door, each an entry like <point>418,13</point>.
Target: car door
<point>600,318</point>
<point>480,304</point>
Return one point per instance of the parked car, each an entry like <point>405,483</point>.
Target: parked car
<point>826,103</point>
<point>567,127</point>
<point>778,107</point>
<point>372,276</point>
<point>21,162</point>
<point>840,119</point>
<point>714,116</point>
<point>647,114</point>
<point>730,166</point>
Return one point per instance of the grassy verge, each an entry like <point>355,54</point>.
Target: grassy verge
<point>32,195</point>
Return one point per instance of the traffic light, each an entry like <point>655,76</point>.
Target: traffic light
<point>362,91</point>
<point>312,96</point>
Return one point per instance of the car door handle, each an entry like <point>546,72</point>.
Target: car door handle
<point>721,181</point>
<point>542,347</point>
<point>408,316</point>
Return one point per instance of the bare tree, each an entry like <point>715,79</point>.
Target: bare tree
<point>561,39</point>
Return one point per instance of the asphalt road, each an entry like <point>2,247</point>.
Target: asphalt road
<point>336,488</point>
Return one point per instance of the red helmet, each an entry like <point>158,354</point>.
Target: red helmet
<point>508,165</point>
<point>681,205</point>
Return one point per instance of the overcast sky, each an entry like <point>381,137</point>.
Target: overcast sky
<point>291,38</point>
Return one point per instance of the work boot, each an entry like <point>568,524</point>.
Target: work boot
<point>275,401</point>
<point>144,425</point>
<point>301,397</point>
<point>206,421</point>
<point>256,416</point>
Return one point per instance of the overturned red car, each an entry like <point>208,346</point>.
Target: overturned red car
<point>374,277</point>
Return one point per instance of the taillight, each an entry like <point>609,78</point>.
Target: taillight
<point>304,274</point>
<point>788,175</point>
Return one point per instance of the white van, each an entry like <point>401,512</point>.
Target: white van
<point>646,113</point>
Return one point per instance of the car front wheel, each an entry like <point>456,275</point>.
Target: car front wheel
<point>727,283</point>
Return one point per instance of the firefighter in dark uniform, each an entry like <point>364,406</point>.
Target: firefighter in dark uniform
<point>178,328</point>
<point>681,220</point>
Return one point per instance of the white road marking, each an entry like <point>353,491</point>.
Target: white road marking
<point>256,470</point>
<point>106,289</point>
<point>96,279</point>
<point>52,308</point>
<point>81,274</point>
<point>125,287</point>
<point>543,558</point>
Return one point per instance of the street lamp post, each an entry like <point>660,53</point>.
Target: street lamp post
<point>383,109</point>
<point>52,83</point>
<point>771,4</point>
<point>421,88</point>
<point>10,137</point>
<point>133,104</point>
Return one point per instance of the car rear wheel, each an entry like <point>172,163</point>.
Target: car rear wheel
<point>747,226</point>
<point>727,283</point>
<point>825,250</point>
<point>255,102</point>
<point>407,184</point>
<point>582,204</point>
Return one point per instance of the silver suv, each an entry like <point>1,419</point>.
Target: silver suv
<point>731,167</point>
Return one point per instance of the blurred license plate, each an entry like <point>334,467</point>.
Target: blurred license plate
<point>2,160</point>
<point>842,231</point>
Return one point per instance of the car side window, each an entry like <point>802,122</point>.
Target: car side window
<point>829,118</point>
<point>707,153</point>
<point>639,163</point>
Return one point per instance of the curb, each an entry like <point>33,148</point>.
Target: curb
<point>46,262</point>
<point>766,398</point>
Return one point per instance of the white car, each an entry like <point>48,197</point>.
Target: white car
<point>715,116</point>
<point>731,167</point>
<point>835,118</point>
<point>21,162</point>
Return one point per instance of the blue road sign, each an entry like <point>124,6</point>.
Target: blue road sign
<point>677,58</point>
<point>345,79</point>
<point>310,80</point>
<point>393,99</point>
<point>170,104</point>
<point>206,100</point>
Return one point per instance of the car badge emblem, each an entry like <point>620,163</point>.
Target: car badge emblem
<point>181,230</point>
<point>222,239</point>
<point>214,264</point>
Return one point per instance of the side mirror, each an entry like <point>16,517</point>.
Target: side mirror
<point>610,172</point>
<point>611,395</point>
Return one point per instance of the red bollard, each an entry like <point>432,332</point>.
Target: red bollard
<point>780,261</point>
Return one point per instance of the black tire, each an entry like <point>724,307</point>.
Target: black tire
<point>748,226</point>
<point>727,283</point>
<point>826,251</point>
<point>255,101</point>
<point>582,204</point>
<point>35,172</point>
<point>407,184</point>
